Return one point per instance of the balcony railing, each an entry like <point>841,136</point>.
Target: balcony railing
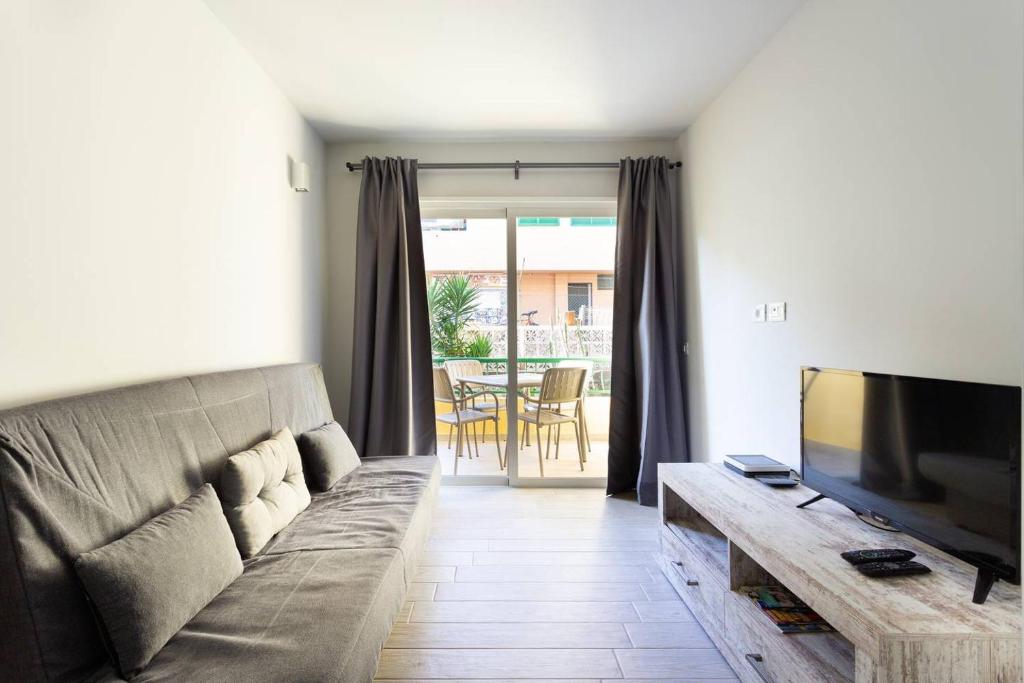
<point>600,380</point>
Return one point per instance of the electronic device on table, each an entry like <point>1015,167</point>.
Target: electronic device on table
<point>880,570</point>
<point>878,555</point>
<point>755,465</point>
<point>767,471</point>
<point>936,459</point>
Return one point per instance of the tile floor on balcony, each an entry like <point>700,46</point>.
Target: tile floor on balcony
<point>567,463</point>
<point>545,585</point>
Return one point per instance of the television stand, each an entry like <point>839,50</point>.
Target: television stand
<point>721,532</point>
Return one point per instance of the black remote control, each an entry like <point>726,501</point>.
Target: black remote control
<point>883,569</point>
<point>877,555</point>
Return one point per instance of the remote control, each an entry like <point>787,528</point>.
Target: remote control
<point>884,569</point>
<point>877,555</point>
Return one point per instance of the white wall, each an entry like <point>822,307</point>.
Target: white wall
<point>343,199</point>
<point>866,167</point>
<point>146,220</point>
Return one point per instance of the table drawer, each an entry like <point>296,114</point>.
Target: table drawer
<point>701,590</point>
<point>763,654</point>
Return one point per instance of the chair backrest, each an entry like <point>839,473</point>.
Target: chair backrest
<point>588,365</point>
<point>463,368</point>
<point>562,385</point>
<point>443,386</point>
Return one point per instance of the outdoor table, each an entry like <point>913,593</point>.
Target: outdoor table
<point>523,380</point>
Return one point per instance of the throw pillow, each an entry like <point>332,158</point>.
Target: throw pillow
<point>262,490</point>
<point>327,454</point>
<point>148,584</point>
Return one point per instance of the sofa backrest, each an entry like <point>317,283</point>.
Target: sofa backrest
<point>80,472</point>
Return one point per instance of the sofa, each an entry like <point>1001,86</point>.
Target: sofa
<point>315,604</point>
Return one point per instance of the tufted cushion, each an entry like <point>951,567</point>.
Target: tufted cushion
<point>262,489</point>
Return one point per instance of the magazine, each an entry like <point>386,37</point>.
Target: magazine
<point>788,612</point>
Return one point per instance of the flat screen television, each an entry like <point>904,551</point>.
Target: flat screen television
<point>936,459</point>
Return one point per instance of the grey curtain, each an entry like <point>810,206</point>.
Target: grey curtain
<point>647,424</point>
<point>391,411</point>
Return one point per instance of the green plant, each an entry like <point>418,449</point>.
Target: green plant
<point>480,346</point>
<point>451,301</point>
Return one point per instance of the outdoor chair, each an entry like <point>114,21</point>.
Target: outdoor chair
<point>478,400</point>
<point>462,417</point>
<point>560,390</point>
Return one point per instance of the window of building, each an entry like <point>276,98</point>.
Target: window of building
<point>606,282</point>
<point>592,222</point>
<point>545,222</point>
<point>443,224</point>
<point>581,301</point>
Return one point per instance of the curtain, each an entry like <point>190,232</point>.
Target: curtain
<point>647,422</point>
<point>391,411</point>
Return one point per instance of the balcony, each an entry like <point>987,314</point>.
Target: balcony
<point>566,464</point>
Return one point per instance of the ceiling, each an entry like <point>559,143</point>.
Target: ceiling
<point>540,69</point>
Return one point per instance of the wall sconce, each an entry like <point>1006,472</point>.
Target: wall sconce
<point>300,176</point>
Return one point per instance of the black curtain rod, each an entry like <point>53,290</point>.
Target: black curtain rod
<point>513,165</point>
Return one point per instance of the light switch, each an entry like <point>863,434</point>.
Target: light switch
<point>760,313</point>
<point>777,312</point>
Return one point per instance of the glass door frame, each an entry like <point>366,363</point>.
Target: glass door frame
<point>511,209</point>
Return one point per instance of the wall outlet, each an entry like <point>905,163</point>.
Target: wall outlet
<point>777,312</point>
<point>760,313</point>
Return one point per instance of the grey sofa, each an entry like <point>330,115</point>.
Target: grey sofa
<point>315,604</point>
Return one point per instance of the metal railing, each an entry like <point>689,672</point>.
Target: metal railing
<point>600,381</point>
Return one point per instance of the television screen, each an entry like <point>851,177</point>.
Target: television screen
<point>938,459</point>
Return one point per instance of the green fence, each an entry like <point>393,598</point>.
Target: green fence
<point>600,381</point>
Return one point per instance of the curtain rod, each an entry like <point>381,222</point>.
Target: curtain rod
<point>513,165</point>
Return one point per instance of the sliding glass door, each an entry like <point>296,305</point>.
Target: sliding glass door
<point>467,294</point>
<point>564,257</point>
<point>516,291</point>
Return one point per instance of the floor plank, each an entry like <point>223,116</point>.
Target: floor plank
<point>458,544</point>
<point>463,663</point>
<point>510,635</point>
<point>589,558</point>
<point>445,558</point>
<point>510,611</point>
<point>668,634</point>
<point>667,663</point>
<point>576,544</point>
<point>661,611</point>
<point>541,592</point>
<point>435,574</point>
<point>560,574</point>
<point>520,680</point>
<point>421,591</point>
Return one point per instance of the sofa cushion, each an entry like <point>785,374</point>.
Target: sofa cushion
<point>80,472</point>
<point>327,455</point>
<point>304,616</point>
<point>262,489</point>
<point>378,505</point>
<point>148,584</point>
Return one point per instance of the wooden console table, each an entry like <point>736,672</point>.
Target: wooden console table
<point>721,532</point>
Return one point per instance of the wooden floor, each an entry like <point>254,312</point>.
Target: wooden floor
<point>545,585</point>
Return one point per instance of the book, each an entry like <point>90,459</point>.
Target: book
<point>789,613</point>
